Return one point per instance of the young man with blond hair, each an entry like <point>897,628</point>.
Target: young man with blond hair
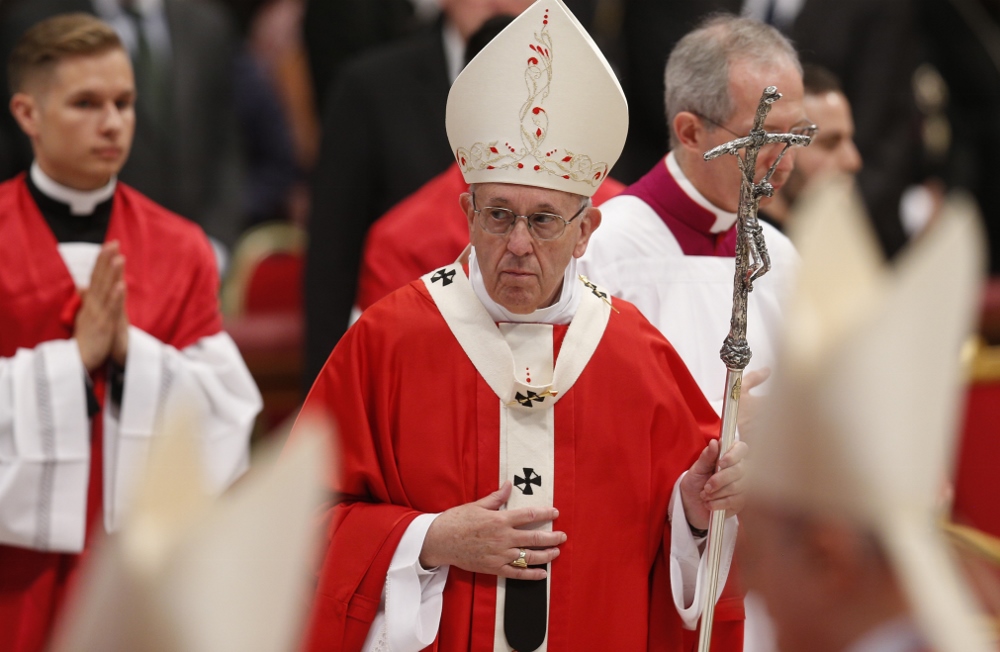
<point>109,319</point>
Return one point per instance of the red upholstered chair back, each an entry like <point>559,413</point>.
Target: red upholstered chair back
<point>275,285</point>
<point>975,531</point>
<point>262,307</point>
<point>265,274</point>
<point>977,481</point>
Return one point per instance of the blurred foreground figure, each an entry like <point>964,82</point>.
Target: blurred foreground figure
<point>189,574</point>
<point>842,537</point>
<point>482,406</point>
<point>109,315</point>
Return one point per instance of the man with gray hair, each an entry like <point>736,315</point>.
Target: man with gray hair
<point>669,241</point>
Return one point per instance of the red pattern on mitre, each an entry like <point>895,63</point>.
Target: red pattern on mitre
<point>539,106</point>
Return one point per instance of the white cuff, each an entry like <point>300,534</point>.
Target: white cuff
<point>412,596</point>
<point>142,393</point>
<point>210,381</point>
<point>688,566</point>
<point>45,454</point>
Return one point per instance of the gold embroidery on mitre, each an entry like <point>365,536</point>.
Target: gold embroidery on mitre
<point>534,129</point>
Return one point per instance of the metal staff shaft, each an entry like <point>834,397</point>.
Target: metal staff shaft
<point>717,522</point>
<point>752,262</point>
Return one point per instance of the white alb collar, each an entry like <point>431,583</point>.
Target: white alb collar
<point>560,312</point>
<point>81,202</point>
<point>724,220</point>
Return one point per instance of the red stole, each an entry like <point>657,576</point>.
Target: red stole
<point>172,290</point>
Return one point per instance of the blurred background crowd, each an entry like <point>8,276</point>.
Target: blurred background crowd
<point>286,128</point>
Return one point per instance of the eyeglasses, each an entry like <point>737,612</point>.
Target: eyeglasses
<point>802,129</point>
<point>543,226</point>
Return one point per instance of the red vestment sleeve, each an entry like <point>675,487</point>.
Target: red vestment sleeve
<point>174,297</point>
<point>353,574</point>
<point>365,528</point>
<point>727,627</point>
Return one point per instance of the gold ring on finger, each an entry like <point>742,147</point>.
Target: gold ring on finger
<point>520,562</point>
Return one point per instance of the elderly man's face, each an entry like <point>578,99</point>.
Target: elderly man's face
<point>832,150</point>
<point>469,15</point>
<point>520,272</point>
<point>747,82</point>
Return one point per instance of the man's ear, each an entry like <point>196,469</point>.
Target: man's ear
<point>24,108</point>
<point>690,131</point>
<point>465,203</point>
<point>589,222</point>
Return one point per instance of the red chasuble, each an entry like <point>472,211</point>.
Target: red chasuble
<point>172,294</point>
<point>420,433</point>
<point>423,232</point>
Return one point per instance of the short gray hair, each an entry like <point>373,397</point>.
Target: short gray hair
<point>697,74</point>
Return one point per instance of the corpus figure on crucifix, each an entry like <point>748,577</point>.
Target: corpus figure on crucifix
<point>752,262</point>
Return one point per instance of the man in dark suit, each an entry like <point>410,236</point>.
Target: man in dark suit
<point>383,138</point>
<point>187,153</point>
<point>963,42</point>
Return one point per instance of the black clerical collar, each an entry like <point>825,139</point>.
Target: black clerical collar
<point>68,227</point>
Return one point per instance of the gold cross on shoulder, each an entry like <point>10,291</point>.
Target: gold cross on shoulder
<point>597,292</point>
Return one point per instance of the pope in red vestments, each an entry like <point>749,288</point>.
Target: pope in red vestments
<point>422,435</point>
<point>527,463</point>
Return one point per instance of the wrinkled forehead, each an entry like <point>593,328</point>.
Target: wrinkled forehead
<point>525,197</point>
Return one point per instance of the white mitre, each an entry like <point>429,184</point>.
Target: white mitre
<point>189,573</point>
<point>862,419</point>
<point>538,106</point>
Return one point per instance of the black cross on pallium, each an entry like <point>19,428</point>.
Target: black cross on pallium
<point>529,400</point>
<point>530,478</point>
<point>445,275</point>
